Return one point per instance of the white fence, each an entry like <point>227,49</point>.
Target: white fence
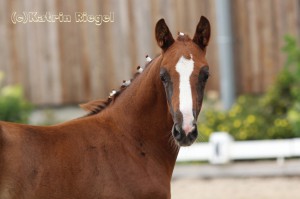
<point>221,148</point>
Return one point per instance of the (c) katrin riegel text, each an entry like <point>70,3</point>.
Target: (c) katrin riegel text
<point>79,17</point>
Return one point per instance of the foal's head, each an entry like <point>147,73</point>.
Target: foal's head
<point>183,72</point>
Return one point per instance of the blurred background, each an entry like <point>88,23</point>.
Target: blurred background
<point>253,93</point>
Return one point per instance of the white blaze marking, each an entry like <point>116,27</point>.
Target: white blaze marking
<point>185,68</point>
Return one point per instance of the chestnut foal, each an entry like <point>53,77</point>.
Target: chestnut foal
<point>127,146</point>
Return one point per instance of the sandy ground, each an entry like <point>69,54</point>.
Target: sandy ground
<point>237,188</point>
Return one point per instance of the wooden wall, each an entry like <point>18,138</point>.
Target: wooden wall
<point>259,28</point>
<point>63,63</point>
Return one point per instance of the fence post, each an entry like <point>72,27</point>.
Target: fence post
<point>220,147</point>
<point>225,46</point>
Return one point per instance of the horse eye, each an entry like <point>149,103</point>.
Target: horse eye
<point>204,74</point>
<point>163,78</point>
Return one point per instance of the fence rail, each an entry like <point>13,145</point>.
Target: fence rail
<point>59,63</point>
<point>222,149</point>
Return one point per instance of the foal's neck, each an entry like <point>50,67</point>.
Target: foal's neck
<point>142,112</point>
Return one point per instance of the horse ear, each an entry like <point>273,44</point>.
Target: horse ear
<point>163,35</point>
<point>202,34</point>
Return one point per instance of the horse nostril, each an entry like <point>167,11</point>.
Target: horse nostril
<point>194,133</point>
<point>176,133</point>
<point>182,138</point>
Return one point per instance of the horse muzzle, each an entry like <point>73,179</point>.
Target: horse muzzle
<point>183,138</point>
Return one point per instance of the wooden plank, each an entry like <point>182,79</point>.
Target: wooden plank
<point>88,53</point>
<point>239,30</point>
<point>245,48</point>
<point>32,56</point>
<point>120,33</point>
<point>274,48</point>
<point>124,33</point>
<point>69,41</point>
<point>246,38</point>
<point>43,57</point>
<point>13,73</point>
<point>291,6</point>
<point>110,73</point>
<point>64,71</point>
<point>22,48</point>
<point>192,17</point>
<point>180,15</point>
<point>212,49</point>
<point>76,63</point>
<point>5,9</point>
<point>254,46</point>
<point>278,20</point>
<point>133,42</point>
<point>52,48</point>
<point>267,41</point>
<point>258,76</point>
<point>83,63</point>
<point>157,12</point>
<point>142,20</point>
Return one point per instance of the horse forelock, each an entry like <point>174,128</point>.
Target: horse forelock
<point>96,106</point>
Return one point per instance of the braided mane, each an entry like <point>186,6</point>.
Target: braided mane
<point>96,106</point>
